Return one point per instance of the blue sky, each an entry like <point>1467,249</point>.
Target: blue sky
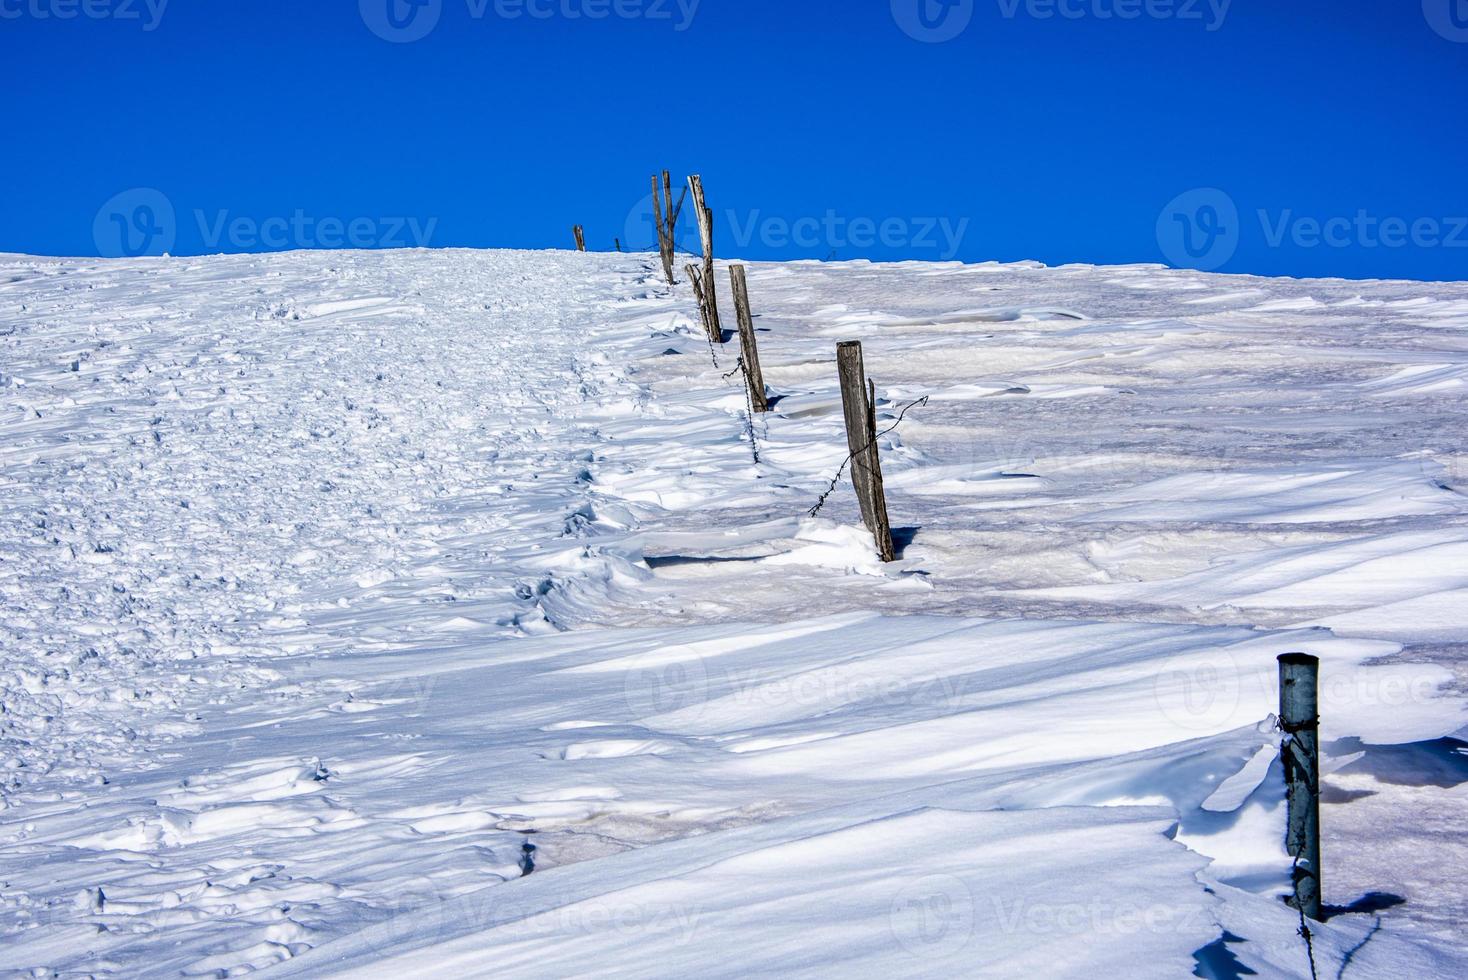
<point>1303,138</point>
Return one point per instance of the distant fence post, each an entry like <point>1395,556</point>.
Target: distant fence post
<point>580,238</point>
<point>857,403</point>
<point>665,213</point>
<point>1299,718</point>
<point>752,373</point>
<point>706,234</point>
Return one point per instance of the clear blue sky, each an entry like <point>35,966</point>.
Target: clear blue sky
<point>822,129</point>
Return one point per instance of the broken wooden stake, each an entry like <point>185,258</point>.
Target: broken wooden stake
<point>706,235</point>
<point>696,278</point>
<point>580,238</point>
<point>753,376</point>
<point>858,403</point>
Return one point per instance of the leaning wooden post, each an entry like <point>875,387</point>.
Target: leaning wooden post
<point>752,373</point>
<point>696,278</point>
<point>580,238</point>
<point>1299,717</point>
<point>861,440</point>
<point>706,235</point>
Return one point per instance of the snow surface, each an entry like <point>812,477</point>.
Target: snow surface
<point>338,589</point>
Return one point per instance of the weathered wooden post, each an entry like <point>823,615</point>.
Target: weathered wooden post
<point>858,404</point>
<point>706,235</point>
<point>580,238</point>
<point>750,350</point>
<point>696,278</point>
<point>1299,718</point>
<point>666,213</point>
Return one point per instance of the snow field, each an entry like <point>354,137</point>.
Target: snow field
<point>332,580</point>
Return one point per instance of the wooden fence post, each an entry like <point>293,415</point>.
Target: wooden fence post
<point>580,238</point>
<point>666,213</point>
<point>657,217</point>
<point>706,234</point>
<point>752,373</point>
<point>1299,718</point>
<point>696,278</point>
<point>858,404</point>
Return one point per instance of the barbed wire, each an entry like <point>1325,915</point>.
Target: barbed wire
<point>835,480</point>
<point>748,406</point>
<point>1290,746</point>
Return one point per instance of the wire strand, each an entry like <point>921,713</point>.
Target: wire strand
<point>836,480</point>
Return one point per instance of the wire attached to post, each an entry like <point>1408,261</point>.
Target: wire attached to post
<point>748,404</point>
<point>836,480</point>
<point>1289,755</point>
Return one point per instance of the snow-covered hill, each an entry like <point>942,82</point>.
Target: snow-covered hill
<point>339,589</point>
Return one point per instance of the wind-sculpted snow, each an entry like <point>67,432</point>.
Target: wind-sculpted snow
<point>338,590</point>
